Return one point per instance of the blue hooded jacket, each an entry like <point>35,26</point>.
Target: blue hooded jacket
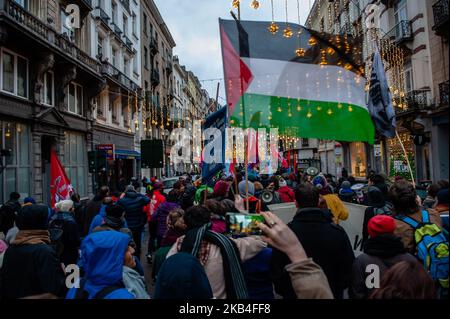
<point>102,254</point>
<point>98,219</point>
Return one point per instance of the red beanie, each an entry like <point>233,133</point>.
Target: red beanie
<point>381,224</point>
<point>221,188</point>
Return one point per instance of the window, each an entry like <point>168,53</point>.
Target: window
<point>135,65</point>
<point>125,25</point>
<point>146,57</point>
<point>358,159</point>
<point>126,67</point>
<point>305,142</point>
<point>145,23</point>
<point>16,176</point>
<point>74,98</point>
<point>75,161</point>
<point>400,11</point>
<point>114,12</point>
<point>49,89</point>
<point>409,81</point>
<point>22,3</point>
<point>114,57</point>
<point>14,74</point>
<point>134,22</point>
<point>99,46</point>
<point>65,29</point>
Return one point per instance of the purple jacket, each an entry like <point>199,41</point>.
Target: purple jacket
<point>161,217</point>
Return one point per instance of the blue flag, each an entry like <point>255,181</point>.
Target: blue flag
<point>380,100</point>
<point>216,120</point>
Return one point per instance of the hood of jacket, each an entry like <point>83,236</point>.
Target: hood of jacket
<point>131,195</point>
<point>384,246</point>
<point>103,256</point>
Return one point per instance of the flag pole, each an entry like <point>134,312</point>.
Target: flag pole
<point>407,158</point>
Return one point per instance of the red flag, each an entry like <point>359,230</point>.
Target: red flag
<point>60,187</point>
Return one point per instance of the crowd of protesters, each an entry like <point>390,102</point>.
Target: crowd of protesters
<point>193,256</point>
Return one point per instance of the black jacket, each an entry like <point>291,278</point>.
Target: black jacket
<point>134,209</point>
<point>326,243</point>
<point>30,270</point>
<point>70,238</point>
<point>91,209</point>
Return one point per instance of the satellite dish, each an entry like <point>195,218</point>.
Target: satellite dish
<point>312,171</point>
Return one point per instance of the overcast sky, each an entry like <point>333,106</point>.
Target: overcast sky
<point>194,26</point>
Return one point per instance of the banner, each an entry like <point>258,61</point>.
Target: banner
<point>217,120</point>
<point>60,187</point>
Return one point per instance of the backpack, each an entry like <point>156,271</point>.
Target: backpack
<point>56,235</point>
<point>431,247</point>
<point>102,294</point>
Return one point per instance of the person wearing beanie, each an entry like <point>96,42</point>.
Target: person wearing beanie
<point>382,248</point>
<point>286,194</point>
<point>243,186</point>
<point>320,182</point>
<point>346,193</point>
<point>64,222</point>
<point>19,276</point>
<point>442,206</point>
<point>221,190</point>
<point>27,201</point>
<point>156,196</point>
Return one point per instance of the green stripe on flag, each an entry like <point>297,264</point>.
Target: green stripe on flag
<point>305,118</point>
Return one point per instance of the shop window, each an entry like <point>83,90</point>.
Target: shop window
<point>358,159</point>
<point>16,176</point>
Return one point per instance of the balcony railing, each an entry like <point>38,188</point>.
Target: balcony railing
<point>440,12</point>
<point>155,79</point>
<point>444,93</point>
<point>153,46</point>
<point>103,16</point>
<point>119,77</point>
<point>128,43</point>
<point>44,32</point>
<point>419,99</point>
<point>402,32</point>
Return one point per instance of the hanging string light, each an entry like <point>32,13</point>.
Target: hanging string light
<point>236,3</point>
<point>300,52</point>
<point>287,32</point>
<point>273,27</point>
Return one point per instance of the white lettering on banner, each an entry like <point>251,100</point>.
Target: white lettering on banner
<point>353,225</point>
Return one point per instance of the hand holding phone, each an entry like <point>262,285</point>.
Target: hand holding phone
<point>242,225</point>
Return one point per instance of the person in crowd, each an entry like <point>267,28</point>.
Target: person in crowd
<point>403,196</point>
<point>344,173</point>
<point>307,278</point>
<point>8,212</point>
<point>175,229</point>
<point>103,255</point>
<point>134,204</point>
<point>182,283</point>
<point>430,200</point>
<point>3,248</point>
<point>219,255</point>
<point>346,193</point>
<point>115,195</point>
<point>114,220</point>
<point>377,206</point>
<point>64,222</point>
<point>218,223</point>
<point>397,283</point>
<point>286,194</point>
<point>320,182</point>
<point>336,207</point>
<point>133,281</point>
<point>442,206</point>
<point>27,201</point>
<point>383,249</point>
<point>30,264</point>
<point>253,202</point>
<point>379,182</point>
<point>160,216</point>
<point>99,218</point>
<point>259,189</point>
<point>78,211</point>
<point>257,275</point>
<point>188,197</point>
<point>221,190</point>
<point>333,252</point>
<point>122,184</point>
<point>93,208</point>
<point>155,193</point>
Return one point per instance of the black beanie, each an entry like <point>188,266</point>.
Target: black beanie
<point>33,217</point>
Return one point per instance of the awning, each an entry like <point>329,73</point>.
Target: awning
<point>124,154</point>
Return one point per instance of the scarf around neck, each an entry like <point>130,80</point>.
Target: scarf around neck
<point>31,237</point>
<point>235,285</point>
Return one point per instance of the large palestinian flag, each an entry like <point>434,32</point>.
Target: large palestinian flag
<point>310,85</point>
